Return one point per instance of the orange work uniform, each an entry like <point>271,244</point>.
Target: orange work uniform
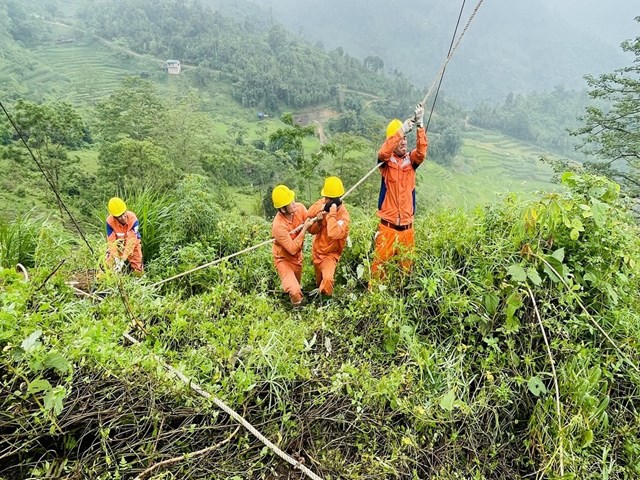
<point>397,200</point>
<point>287,251</point>
<point>124,241</point>
<point>329,242</point>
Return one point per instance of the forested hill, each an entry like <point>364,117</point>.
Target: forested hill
<point>268,66</point>
<point>510,46</point>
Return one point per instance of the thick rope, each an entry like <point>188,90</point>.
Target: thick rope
<point>453,38</point>
<point>446,62</point>
<point>236,416</point>
<point>555,379</point>
<point>348,192</point>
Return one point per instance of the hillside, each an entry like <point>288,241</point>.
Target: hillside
<point>509,349</point>
<point>510,47</point>
<point>443,373</point>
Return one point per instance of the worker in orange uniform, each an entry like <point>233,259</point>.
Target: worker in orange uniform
<point>331,229</point>
<point>287,246</point>
<point>397,200</point>
<point>123,237</point>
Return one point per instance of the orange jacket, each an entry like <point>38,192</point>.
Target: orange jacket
<point>288,246</point>
<point>397,200</point>
<point>123,239</point>
<point>331,233</point>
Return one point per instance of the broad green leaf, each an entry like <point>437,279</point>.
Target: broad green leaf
<point>517,273</point>
<point>39,385</point>
<point>556,265</point>
<point>536,386</point>
<point>360,271</point>
<point>31,341</point>
<point>446,401</point>
<point>587,437</point>
<point>600,211</point>
<point>574,235</point>
<point>56,361</point>
<point>491,302</point>
<point>568,178</point>
<point>534,276</point>
<point>53,399</point>
<point>558,254</point>
<point>512,324</point>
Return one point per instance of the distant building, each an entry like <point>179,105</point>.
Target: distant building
<point>172,67</point>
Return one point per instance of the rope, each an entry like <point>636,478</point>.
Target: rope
<point>440,74</point>
<point>233,414</point>
<point>249,249</point>
<point>435,98</point>
<point>46,177</point>
<point>446,62</point>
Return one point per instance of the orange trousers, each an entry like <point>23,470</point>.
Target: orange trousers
<point>390,242</point>
<point>134,260</point>
<point>290,275</point>
<point>325,268</point>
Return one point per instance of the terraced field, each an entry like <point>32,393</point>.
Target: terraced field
<point>489,164</point>
<point>84,72</point>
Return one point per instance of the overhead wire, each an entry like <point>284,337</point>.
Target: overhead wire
<point>435,97</point>
<point>46,175</point>
<point>452,48</point>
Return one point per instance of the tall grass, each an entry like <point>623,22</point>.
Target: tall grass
<point>18,241</point>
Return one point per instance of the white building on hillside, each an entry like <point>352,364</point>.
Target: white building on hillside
<point>173,67</point>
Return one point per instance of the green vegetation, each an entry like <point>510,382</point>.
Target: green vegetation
<point>441,374</point>
<point>511,350</point>
<point>613,134</point>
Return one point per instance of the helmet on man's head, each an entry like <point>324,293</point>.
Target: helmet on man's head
<point>333,188</point>
<point>393,127</point>
<point>282,196</point>
<point>117,206</point>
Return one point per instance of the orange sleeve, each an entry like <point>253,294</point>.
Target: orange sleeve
<point>338,224</point>
<point>313,211</point>
<point>281,235</point>
<point>419,153</point>
<point>390,144</point>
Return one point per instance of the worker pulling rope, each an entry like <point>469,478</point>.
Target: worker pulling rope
<point>438,78</point>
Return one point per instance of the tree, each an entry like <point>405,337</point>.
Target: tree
<point>49,129</point>
<point>134,164</point>
<point>133,111</point>
<point>613,134</point>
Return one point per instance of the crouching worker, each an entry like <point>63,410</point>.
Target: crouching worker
<point>331,230</point>
<point>123,238</point>
<point>287,247</point>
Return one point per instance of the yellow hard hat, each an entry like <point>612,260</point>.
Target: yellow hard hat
<point>282,196</point>
<point>393,127</point>
<point>333,188</point>
<point>117,206</point>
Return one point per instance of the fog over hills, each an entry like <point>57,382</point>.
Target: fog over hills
<point>509,47</point>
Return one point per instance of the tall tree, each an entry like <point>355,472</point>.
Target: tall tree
<point>133,111</point>
<point>613,134</point>
<point>48,129</point>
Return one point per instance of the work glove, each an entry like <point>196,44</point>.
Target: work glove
<point>407,126</point>
<point>119,265</point>
<point>334,201</point>
<point>419,115</point>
